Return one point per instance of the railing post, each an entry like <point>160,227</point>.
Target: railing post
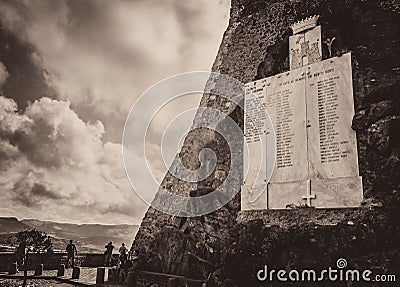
<point>12,268</point>
<point>112,274</point>
<point>100,275</point>
<point>61,270</point>
<point>76,271</point>
<point>39,270</point>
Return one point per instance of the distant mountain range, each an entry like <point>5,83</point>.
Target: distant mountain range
<point>11,224</point>
<point>87,237</point>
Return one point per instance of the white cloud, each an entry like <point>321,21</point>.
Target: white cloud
<point>56,164</point>
<point>99,56</point>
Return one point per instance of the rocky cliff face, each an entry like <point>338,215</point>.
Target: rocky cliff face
<point>234,244</point>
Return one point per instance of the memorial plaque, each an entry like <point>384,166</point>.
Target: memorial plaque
<point>332,143</point>
<point>285,97</point>
<point>247,202</point>
<point>284,195</point>
<point>316,165</point>
<point>337,192</point>
<point>254,188</point>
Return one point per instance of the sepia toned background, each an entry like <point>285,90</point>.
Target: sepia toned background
<point>70,72</point>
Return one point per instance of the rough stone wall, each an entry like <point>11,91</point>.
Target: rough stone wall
<point>236,244</point>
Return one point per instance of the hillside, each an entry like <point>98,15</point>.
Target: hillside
<point>88,237</point>
<point>11,224</point>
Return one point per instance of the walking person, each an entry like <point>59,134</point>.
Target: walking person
<point>71,252</point>
<point>108,253</point>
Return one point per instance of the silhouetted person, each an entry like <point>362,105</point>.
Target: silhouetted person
<point>123,257</point>
<point>109,249</point>
<point>71,252</point>
<point>123,253</point>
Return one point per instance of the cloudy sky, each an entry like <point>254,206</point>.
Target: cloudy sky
<point>70,70</point>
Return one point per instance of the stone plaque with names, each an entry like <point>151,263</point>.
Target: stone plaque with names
<point>253,195</point>
<point>332,144</point>
<point>285,97</point>
<point>316,165</point>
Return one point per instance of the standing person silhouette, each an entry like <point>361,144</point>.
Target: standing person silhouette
<point>71,252</point>
<point>123,256</point>
<point>109,249</point>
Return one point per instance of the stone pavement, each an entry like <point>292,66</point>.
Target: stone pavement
<point>87,277</point>
<point>33,283</point>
